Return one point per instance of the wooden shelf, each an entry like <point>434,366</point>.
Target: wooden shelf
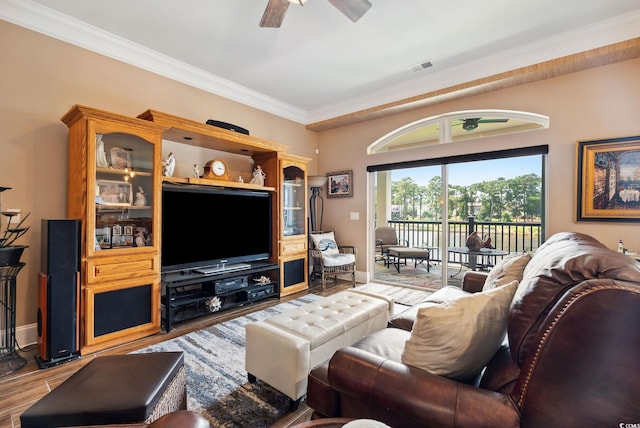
<point>114,171</point>
<point>100,207</point>
<point>187,131</point>
<point>218,183</point>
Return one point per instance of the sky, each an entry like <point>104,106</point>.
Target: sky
<point>465,174</point>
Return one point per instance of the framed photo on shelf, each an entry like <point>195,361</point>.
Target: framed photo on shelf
<point>114,193</point>
<point>103,238</point>
<point>608,180</point>
<point>340,184</point>
<point>121,158</point>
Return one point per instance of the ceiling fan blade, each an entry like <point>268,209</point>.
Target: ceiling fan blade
<point>274,13</point>
<point>352,9</point>
<point>492,120</point>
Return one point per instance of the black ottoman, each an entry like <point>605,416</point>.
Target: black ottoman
<point>115,389</point>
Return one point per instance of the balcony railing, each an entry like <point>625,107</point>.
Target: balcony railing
<point>513,237</point>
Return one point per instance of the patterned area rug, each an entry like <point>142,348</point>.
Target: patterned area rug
<point>417,276</point>
<point>217,385</point>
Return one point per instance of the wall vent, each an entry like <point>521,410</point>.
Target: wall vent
<point>421,66</point>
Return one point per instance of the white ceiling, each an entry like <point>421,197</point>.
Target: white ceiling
<point>319,64</point>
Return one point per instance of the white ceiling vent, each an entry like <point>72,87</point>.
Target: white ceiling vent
<point>421,66</point>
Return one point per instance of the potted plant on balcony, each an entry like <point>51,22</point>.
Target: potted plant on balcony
<point>9,253</point>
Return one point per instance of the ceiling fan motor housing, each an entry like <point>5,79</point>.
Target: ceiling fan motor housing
<point>470,124</point>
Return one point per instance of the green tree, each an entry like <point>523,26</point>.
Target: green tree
<point>524,196</point>
<point>501,199</point>
<point>402,194</point>
<point>433,197</point>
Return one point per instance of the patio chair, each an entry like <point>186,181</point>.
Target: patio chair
<point>386,237</point>
<point>330,259</point>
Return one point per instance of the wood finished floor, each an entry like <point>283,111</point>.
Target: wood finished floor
<point>19,390</point>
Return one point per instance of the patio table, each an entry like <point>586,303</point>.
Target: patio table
<point>472,257</point>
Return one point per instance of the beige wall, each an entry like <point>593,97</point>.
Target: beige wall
<point>41,78</point>
<point>595,104</point>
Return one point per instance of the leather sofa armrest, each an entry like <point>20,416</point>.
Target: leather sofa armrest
<point>414,393</point>
<point>473,281</point>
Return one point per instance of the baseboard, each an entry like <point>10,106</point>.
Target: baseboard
<point>27,335</point>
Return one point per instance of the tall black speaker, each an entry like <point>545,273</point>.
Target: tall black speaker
<point>58,292</point>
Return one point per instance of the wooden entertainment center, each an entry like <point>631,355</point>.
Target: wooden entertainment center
<point>115,189</point>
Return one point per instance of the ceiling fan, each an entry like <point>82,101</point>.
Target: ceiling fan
<point>276,9</point>
<point>472,123</point>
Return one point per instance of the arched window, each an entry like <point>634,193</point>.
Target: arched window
<point>434,202</point>
<point>458,126</point>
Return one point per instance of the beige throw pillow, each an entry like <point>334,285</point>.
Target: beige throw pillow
<point>325,242</point>
<point>506,270</point>
<point>456,339</point>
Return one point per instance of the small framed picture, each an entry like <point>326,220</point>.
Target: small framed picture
<point>127,241</point>
<point>128,230</point>
<point>117,230</point>
<point>121,158</point>
<point>103,238</point>
<point>113,193</point>
<point>340,184</point>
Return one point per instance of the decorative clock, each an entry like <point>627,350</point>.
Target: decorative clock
<point>216,169</point>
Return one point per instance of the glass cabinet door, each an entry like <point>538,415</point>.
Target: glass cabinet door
<point>293,201</point>
<point>123,192</point>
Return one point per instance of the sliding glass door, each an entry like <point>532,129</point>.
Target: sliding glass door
<point>436,207</point>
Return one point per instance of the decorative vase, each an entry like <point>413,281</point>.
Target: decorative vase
<point>10,256</point>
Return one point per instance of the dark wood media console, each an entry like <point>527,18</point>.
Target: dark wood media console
<point>189,294</point>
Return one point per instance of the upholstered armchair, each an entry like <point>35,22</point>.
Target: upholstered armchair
<point>387,237</point>
<point>330,259</point>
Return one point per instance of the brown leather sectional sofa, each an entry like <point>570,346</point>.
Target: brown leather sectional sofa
<point>571,358</point>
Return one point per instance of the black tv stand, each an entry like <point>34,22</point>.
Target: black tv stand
<point>191,293</point>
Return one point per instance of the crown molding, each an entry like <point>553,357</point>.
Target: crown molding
<point>393,99</point>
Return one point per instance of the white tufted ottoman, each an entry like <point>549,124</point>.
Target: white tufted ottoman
<point>282,349</point>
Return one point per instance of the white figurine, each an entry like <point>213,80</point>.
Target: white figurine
<point>196,171</point>
<point>168,165</point>
<point>101,156</point>
<point>240,179</point>
<point>141,198</point>
<point>140,242</point>
<point>258,176</point>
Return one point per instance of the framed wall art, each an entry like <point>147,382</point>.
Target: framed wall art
<point>340,184</point>
<point>608,180</point>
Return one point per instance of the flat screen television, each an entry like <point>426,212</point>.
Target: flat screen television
<point>205,226</point>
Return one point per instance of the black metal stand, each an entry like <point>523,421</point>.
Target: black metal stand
<point>313,201</point>
<point>10,360</point>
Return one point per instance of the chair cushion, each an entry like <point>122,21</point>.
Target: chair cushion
<point>339,259</point>
<point>506,270</point>
<point>325,242</point>
<point>405,319</point>
<point>459,337</point>
<point>387,235</point>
